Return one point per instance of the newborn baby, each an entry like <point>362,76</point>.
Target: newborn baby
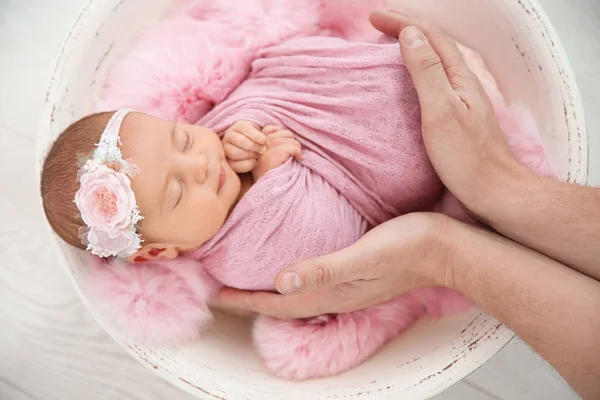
<point>185,189</point>
<point>237,210</point>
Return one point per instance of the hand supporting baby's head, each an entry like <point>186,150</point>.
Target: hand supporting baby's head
<point>174,176</point>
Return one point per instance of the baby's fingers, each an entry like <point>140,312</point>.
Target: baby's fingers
<point>297,152</point>
<point>279,141</point>
<point>244,166</point>
<point>255,135</point>
<point>281,133</point>
<point>292,149</point>
<point>236,154</point>
<point>242,141</point>
<point>269,129</point>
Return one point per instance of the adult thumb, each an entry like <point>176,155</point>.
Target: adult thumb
<point>425,68</point>
<point>318,273</point>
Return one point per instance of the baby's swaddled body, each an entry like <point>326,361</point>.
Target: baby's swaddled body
<point>353,108</point>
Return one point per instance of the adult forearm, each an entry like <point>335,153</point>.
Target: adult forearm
<point>555,309</point>
<point>558,219</point>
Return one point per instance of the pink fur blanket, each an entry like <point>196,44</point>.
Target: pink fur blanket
<point>353,108</point>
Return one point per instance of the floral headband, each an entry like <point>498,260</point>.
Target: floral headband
<point>105,198</point>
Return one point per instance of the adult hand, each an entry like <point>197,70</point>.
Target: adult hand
<point>405,253</point>
<point>460,131</point>
<point>470,154</point>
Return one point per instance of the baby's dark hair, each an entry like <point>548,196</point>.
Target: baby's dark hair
<point>59,181</point>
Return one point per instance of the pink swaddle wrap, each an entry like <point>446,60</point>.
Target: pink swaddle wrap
<point>353,108</point>
<point>289,215</point>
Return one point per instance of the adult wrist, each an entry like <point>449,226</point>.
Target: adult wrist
<point>500,188</point>
<point>458,252</point>
<point>442,247</point>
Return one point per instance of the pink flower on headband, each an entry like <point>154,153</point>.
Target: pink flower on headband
<point>107,205</point>
<point>105,199</point>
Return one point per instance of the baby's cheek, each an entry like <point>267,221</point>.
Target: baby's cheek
<point>202,222</point>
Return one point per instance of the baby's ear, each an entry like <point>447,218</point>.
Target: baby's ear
<point>154,252</point>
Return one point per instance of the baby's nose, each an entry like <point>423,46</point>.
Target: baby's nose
<point>200,167</point>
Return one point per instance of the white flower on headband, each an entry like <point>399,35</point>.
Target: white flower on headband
<point>105,198</point>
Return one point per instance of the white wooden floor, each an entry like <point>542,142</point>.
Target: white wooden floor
<point>51,349</point>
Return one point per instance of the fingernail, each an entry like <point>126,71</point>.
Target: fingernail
<point>263,149</point>
<point>290,282</point>
<point>413,37</point>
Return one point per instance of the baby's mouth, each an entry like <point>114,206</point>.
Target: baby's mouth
<point>222,178</point>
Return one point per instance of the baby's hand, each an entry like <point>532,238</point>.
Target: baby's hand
<point>281,146</point>
<point>243,142</point>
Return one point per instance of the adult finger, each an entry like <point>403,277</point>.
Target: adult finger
<point>423,63</point>
<point>393,22</point>
<point>302,305</point>
<point>215,304</point>
<point>438,48</point>
<point>388,22</point>
<point>323,272</point>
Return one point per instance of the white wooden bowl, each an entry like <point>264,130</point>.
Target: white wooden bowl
<point>522,50</point>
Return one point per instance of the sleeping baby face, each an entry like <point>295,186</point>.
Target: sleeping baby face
<point>185,188</point>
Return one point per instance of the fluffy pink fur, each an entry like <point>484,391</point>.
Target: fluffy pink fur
<point>524,140</point>
<point>163,302</point>
<point>178,70</point>
<point>288,347</point>
<point>331,344</point>
<point>192,59</point>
